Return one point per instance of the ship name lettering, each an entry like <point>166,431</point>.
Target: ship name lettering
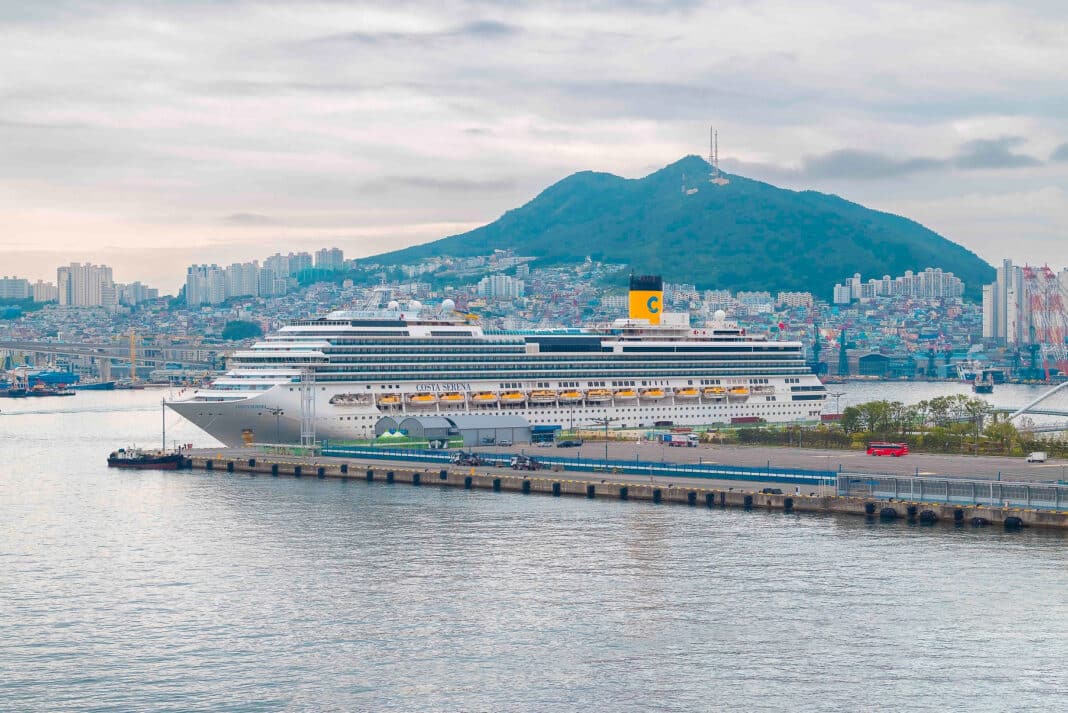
<point>444,386</point>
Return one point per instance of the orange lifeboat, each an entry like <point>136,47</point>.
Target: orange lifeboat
<point>452,397</point>
<point>598,395</point>
<point>484,397</point>
<point>388,400</point>
<point>422,399</point>
<point>570,396</point>
<point>626,395</point>
<point>687,392</point>
<point>653,394</point>
<point>513,397</point>
<point>542,396</point>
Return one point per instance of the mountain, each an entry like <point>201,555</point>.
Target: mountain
<point>747,235</point>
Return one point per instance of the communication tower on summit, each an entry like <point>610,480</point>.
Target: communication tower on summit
<point>716,177</point>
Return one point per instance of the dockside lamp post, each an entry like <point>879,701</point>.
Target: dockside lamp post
<point>604,422</point>
<point>277,413</point>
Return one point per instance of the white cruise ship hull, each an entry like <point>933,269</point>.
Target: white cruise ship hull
<point>274,416</point>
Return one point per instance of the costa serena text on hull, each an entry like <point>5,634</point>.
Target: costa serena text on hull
<point>649,368</point>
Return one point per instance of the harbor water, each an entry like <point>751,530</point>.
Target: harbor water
<point>185,591</point>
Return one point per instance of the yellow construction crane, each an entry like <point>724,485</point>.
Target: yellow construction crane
<point>133,356</point>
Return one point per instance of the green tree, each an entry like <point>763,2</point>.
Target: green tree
<point>241,329</point>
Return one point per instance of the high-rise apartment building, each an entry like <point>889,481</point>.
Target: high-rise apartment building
<point>45,292</point>
<point>86,286</point>
<point>204,285</point>
<point>501,287</point>
<point>1007,302</point>
<point>15,288</point>
<point>330,259</point>
<point>931,283</point>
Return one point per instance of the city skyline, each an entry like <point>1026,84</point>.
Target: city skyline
<point>192,132</point>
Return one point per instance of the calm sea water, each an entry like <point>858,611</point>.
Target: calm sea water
<point>188,591</point>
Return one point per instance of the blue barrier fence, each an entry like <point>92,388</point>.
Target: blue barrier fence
<point>793,476</point>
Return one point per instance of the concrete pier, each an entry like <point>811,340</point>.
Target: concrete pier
<point>689,492</point>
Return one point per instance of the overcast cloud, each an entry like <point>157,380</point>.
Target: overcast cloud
<point>151,134</point>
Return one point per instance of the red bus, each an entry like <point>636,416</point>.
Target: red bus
<point>888,449</point>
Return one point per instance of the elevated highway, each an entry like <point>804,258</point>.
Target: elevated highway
<point>155,355</point>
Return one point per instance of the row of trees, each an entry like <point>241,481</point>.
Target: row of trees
<point>946,424</point>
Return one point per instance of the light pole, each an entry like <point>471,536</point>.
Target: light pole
<point>836,395</point>
<point>604,422</point>
<point>277,413</point>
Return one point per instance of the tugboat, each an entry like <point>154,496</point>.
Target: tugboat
<point>983,386</point>
<point>144,460</point>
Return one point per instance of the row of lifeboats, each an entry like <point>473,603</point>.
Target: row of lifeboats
<point>568,396</point>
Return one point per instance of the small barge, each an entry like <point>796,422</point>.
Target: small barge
<point>144,460</point>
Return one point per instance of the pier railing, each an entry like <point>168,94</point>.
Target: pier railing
<point>793,476</point>
<point>1052,496</point>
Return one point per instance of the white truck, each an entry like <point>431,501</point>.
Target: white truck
<point>1036,457</point>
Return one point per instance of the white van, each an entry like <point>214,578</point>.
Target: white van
<point>1036,457</point>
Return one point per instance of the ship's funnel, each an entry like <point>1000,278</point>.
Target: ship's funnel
<point>646,297</point>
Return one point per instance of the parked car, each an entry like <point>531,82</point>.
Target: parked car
<point>568,444</point>
<point>504,442</point>
<point>1036,457</point>
<point>771,491</point>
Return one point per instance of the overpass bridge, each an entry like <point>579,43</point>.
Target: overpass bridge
<point>184,356</point>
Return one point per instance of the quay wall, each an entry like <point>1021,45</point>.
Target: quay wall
<point>579,485</point>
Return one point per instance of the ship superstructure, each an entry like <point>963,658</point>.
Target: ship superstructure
<point>339,374</point>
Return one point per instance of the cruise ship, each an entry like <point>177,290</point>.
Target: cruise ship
<point>334,377</point>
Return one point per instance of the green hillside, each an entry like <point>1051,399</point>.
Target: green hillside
<point>744,236</point>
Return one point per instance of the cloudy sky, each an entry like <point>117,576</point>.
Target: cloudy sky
<point>152,134</point>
